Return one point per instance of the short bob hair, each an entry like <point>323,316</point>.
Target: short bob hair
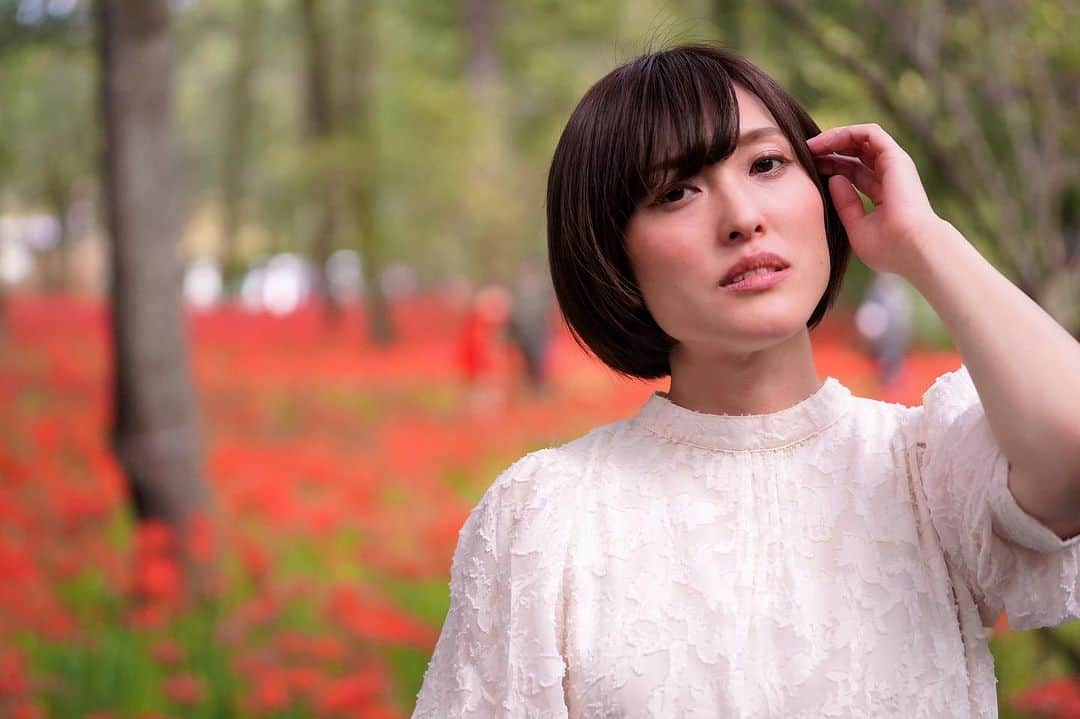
<point>669,110</point>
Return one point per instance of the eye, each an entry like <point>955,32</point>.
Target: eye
<point>771,158</point>
<point>672,195</point>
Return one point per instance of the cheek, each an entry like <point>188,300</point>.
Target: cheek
<point>808,218</point>
<point>810,207</point>
<point>656,254</point>
<point>806,221</point>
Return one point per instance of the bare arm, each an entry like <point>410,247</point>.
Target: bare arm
<point>1025,366</point>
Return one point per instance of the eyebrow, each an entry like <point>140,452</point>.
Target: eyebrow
<point>745,138</point>
<point>759,133</point>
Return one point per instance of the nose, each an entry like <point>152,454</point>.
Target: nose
<point>742,217</point>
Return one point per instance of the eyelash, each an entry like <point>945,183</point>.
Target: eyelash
<point>779,158</point>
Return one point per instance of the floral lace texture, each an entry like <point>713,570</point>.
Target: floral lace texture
<point>838,558</point>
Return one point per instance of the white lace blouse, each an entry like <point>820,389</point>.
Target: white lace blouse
<point>838,558</point>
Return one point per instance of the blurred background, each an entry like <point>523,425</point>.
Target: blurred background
<point>275,310</point>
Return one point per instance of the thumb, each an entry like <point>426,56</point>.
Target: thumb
<point>848,205</point>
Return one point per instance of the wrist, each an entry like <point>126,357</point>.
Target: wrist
<point>929,248</point>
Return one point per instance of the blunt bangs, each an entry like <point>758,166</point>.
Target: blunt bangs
<point>687,116</point>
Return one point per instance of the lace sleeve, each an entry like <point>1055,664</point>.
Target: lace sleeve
<point>1010,560</point>
<point>498,653</point>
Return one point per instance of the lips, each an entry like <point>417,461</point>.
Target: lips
<point>754,262</point>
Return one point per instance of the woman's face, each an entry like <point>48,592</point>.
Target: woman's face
<point>683,240</point>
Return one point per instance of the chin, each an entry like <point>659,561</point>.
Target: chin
<point>768,324</point>
<point>749,338</point>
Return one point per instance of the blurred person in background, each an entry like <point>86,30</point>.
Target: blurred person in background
<point>481,349</point>
<point>884,321</point>
<point>530,323</point>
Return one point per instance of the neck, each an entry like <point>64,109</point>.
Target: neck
<point>757,382</point>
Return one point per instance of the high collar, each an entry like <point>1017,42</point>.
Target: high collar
<point>731,432</point>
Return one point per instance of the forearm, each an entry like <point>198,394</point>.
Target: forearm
<point>1025,366</point>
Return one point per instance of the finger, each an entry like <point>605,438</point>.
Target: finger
<point>868,142</point>
<point>848,205</point>
<point>864,178</point>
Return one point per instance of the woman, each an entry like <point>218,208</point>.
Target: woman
<point>758,542</point>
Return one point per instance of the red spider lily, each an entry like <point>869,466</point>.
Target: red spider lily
<point>326,649</point>
<point>17,565</point>
<point>1056,699</point>
<point>47,434</point>
<point>158,579</point>
<point>256,561</point>
<point>355,694</point>
<point>26,601</point>
<point>270,693</point>
<point>149,617</point>
<point>200,537</point>
<point>185,689</point>
<point>305,649</point>
<point>377,621</point>
<point>82,506</point>
<point>167,653</point>
<point>14,681</point>
<point>153,538</point>
<point>293,645</point>
<point>252,665</point>
<point>27,710</point>
<point>1001,625</point>
<point>307,680</point>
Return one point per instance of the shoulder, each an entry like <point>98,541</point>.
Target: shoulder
<point>950,402</point>
<point>876,418</point>
<point>541,488</point>
<point>949,398</point>
<point>549,473</point>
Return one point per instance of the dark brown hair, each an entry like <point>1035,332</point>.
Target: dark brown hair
<point>673,110</point>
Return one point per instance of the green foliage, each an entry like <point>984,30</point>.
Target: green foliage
<point>455,169</point>
<point>48,123</point>
<point>114,670</point>
<point>458,178</point>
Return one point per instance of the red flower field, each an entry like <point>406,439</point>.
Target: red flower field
<point>341,475</point>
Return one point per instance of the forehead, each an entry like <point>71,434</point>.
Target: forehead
<point>752,111</point>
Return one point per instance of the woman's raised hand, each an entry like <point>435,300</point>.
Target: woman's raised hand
<point>886,237</point>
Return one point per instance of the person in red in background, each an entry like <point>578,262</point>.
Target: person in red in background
<point>481,354</point>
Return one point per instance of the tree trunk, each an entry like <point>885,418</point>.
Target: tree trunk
<point>483,74</point>
<point>380,325</point>
<point>320,129</point>
<point>155,435</point>
<point>357,111</point>
<point>237,129</point>
<point>58,272</point>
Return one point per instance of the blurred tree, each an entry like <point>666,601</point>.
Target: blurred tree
<point>319,112</point>
<point>985,92</point>
<point>360,162</point>
<point>238,134</point>
<point>48,136</point>
<point>155,433</point>
<point>489,155</point>
<point>547,62</point>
